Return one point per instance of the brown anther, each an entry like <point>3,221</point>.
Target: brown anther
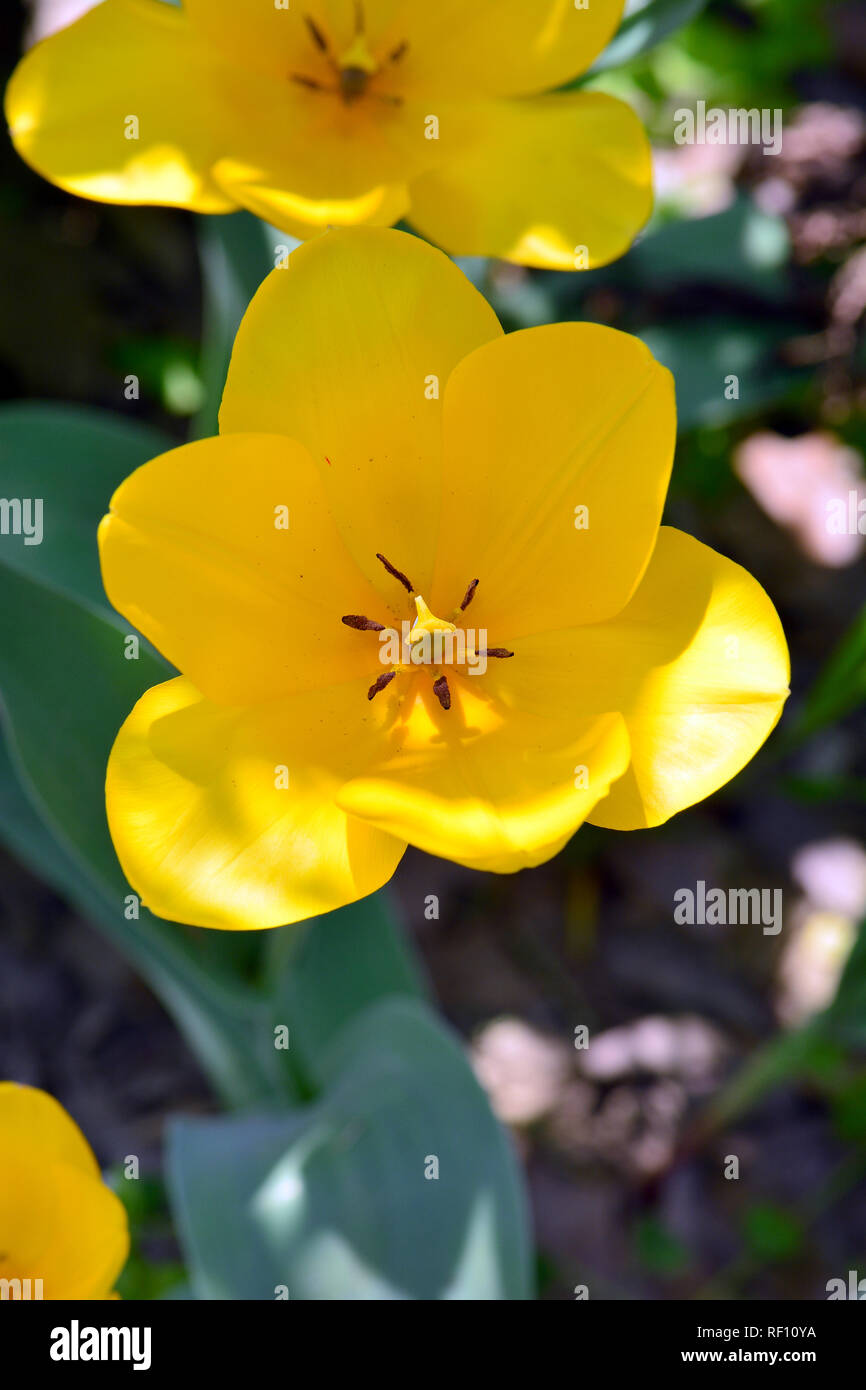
<point>380,684</point>
<point>496,651</point>
<point>442,692</point>
<point>396,574</point>
<point>318,37</point>
<point>361,624</point>
<point>469,596</point>
<point>310,82</point>
<point>399,52</point>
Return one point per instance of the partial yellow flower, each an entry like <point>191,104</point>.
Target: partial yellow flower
<point>63,1233</point>
<point>340,112</point>
<point>388,457</point>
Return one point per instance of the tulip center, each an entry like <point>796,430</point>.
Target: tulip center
<point>427,641</point>
<point>354,69</point>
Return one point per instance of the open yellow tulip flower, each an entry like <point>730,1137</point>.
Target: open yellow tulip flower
<point>341,112</point>
<point>419,595</point>
<point>63,1233</point>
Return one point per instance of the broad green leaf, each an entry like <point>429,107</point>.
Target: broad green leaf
<point>703,358</point>
<point>236,252</point>
<point>66,689</point>
<point>26,836</point>
<point>326,972</point>
<point>646,23</point>
<point>332,1203</point>
<point>71,459</point>
<point>743,248</point>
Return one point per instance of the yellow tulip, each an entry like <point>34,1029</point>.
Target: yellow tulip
<point>341,112</point>
<point>63,1233</point>
<point>387,456</point>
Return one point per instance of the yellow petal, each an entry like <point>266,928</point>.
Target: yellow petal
<point>717,687</point>
<point>226,817</point>
<point>279,40</point>
<point>58,1221</point>
<point>503,46</point>
<point>349,350</point>
<point>72,99</point>
<point>300,217</point>
<point>538,425</point>
<point>697,664</point>
<point>224,554</point>
<point>34,1119</point>
<point>562,182</point>
<point>494,790</point>
<point>305,158</point>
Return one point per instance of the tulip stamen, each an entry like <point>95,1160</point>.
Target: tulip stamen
<point>469,595</point>
<point>425,633</point>
<point>311,82</point>
<point>380,684</point>
<point>396,574</point>
<point>442,692</point>
<point>318,37</point>
<point>356,68</point>
<point>361,624</point>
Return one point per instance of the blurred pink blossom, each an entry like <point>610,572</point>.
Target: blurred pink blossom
<point>832,874</point>
<point>697,179</point>
<point>522,1070</point>
<point>806,484</point>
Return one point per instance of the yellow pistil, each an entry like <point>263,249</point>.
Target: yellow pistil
<point>356,66</point>
<point>427,623</point>
<point>358,55</point>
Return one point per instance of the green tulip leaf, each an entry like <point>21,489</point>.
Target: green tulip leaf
<point>646,23</point>
<point>397,1183</point>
